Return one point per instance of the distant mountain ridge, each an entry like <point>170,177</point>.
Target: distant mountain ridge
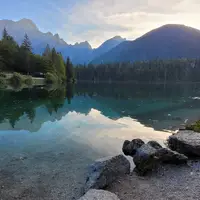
<point>170,41</point>
<point>79,53</point>
<point>167,42</point>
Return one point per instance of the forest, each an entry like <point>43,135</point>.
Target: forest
<point>178,70</point>
<point>52,66</point>
<point>21,59</point>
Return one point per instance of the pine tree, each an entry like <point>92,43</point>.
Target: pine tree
<point>47,51</point>
<point>5,33</point>
<point>27,44</point>
<point>26,50</point>
<point>8,51</point>
<point>69,70</point>
<point>54,55</point>
<point>60,67</point>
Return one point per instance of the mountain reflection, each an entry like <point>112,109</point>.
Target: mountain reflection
<point>157,106</point>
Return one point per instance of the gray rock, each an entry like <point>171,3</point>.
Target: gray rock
<point>170,157</point>
<point>99,195</point>
<point>104,171</point>
<point>144,159</point>
<point>129,148</point>
<point>155,144</point>
<point>185,142</point>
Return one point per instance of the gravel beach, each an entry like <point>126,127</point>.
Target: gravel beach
<point>169,182</point>
<point>50,174</point>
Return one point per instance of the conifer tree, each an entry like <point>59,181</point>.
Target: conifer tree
<point>69,70</point>
<point>54,55</point>
<point>27,50</point>
<point>27,44</point>
<point>47,51</point>
<point>5,33</point>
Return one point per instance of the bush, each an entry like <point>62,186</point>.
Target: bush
<point>2,82</point>
<point>50,78</point>
<point>16,79</point>
<point>194,127</point>
<point>2,75</point>
<point>28,80</point>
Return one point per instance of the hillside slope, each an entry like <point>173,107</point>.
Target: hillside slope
<point>167,42</point>
<point>79,53</point>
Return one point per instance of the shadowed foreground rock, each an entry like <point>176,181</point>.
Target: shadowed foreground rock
<point>168,156</point>
<point>154,144</point>
<point>99,195</point>
<point>129,147</point>
<point>144,159</point>
<point>104,171</point>
<point>185,142</point>
<point>147,158</point>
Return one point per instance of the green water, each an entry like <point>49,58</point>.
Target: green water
<point>48,135</point>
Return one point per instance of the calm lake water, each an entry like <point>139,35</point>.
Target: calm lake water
<point>48,136</point>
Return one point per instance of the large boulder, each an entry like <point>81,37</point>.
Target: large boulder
<point>99,195</point>
<point>144,159</point>
<point>186,142</point>
<point>154,144</point>
<point>168,156</point>
<point>129,147</point>
<point>147,158</point>
<point>104,171</point>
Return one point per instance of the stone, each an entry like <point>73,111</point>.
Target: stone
<point>186,142</point>
<point>168,156</point>
<point>104,171</point>
<point>155,144</point>
<point>99,195</point>
<point>129,147</point>
<point>144,159</point>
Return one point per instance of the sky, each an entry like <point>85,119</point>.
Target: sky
<point>98,20</point>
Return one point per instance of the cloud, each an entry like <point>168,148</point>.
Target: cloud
<point>96,21</point>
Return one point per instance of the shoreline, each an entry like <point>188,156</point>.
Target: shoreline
<point>166,173</point>
<point>169,182</point>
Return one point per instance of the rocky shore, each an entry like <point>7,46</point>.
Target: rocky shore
<point>170,172</point>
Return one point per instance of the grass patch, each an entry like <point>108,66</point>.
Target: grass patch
<point>194,127</point>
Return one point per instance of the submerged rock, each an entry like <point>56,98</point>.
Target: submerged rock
<point>104,171</point>
<point>144,159</point>
<point>170,157</point>
<point>154,144</point>
<point>186,142</point>
<point>129,147</point>
<point>99,195</point>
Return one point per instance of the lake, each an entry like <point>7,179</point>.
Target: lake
<point>49,135</point>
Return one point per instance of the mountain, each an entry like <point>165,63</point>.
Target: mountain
<point>19,28</point>
<point>107,45</point>
<point>167,42</point>
<point>79,53</point>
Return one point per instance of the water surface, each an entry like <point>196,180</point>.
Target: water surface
<point>48,135</point>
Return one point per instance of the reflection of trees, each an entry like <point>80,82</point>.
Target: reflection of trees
<point>14,105</point>
<point>31,114</point>
<point>134,91</point>
<point>70,92</point>
<point>138,101</point>
<point>147,103</point>
<point>56,99</point>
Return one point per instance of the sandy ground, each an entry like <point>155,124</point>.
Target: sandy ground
<point>169,182</point>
